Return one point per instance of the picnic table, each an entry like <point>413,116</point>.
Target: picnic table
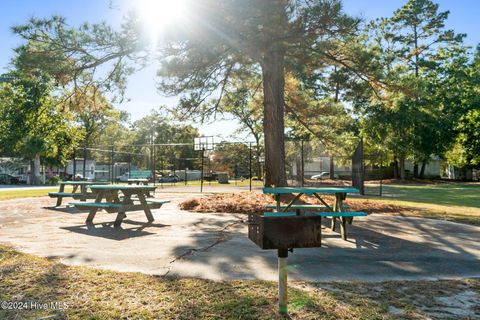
<point>137,181</point>
<point>333,211</point>
<point>120,199</point>
<point>79,190</point>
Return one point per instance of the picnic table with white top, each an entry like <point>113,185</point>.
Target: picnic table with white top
<point>79,190</point>
<point>120,199</point>
<point>139,181</point>
<point>334,211</point>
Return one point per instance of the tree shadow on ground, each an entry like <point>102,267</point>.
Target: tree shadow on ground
<point>109,231</point>
<point>379,249</point>
<point>71,210</point>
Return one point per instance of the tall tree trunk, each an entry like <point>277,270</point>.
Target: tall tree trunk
<point>332,168</point>
<point>415,169</point>
<point>422,169</point>
<point>402,168</point>
<point>273,116</point>
<point>32,172</point>
<point>395,168</point>
<point>36,169</point>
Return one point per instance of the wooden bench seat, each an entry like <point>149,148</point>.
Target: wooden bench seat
<point>157,201</point>
<point>322,214</point>
<point>62,194</point>
<point>301,206</point>
<point>102,205</point>
<point>279,214</point>
<point>341,214</point>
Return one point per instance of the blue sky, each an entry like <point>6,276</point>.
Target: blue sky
<point>464,16</point>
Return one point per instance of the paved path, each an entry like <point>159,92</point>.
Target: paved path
<point>215,246</point>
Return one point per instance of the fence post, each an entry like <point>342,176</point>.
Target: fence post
<point>111,166</point>
<point>201,174</point>
<point>84,161</point>
<point>381,175</point>
<point>74,164</point>
<point>154,165</point>
<point>250,164</point>
<point>129,165</point>
<point>302,180</point>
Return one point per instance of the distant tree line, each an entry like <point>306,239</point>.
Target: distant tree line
<point>405,84</point>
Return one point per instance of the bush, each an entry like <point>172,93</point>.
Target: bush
<point>53,181</point>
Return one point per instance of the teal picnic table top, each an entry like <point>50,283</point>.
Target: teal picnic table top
<point>121,187</point>
<point>86,183</point>
<point>309,190</point>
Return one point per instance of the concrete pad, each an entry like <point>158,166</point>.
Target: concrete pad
<point>215,246</point>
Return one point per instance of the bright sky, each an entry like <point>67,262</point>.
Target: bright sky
<point>464,15</point>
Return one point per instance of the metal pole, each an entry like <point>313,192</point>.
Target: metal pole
<point>282,281</point>
<point>74,164</point>
<point>201,174</point>
<point>111,167</point>
<point>303,164</point>
<point>185,167</point>
<point>151,158</point>
<point>84,161</point>
<point>154,165</point>
<point>250,165</point>
<point>381,175</point>
<point>129,165</point>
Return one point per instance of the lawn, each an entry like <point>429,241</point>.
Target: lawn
<point>87,293</point>
<point>27,193</point>
<point>447,194</point>
<point>238,183</point>
<point>458,202</point>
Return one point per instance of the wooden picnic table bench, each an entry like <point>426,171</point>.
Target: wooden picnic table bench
<point>79,191</point>
<point>337,210</point>
<point>134,198</point>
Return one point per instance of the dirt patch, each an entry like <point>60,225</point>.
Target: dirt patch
<point>252,202</point>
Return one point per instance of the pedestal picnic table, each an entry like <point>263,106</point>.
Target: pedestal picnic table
<point>334,211</point>
<point>134,198</point>
<point>80,186</point>
<point>274,227</point>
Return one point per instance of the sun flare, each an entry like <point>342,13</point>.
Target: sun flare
<point>157,15</point>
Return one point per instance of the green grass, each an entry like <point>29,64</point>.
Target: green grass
<point>448,194</point>
<point>244,183</point>
<point>88,293</point>
<point>458,202</point>
<point>26,193</point>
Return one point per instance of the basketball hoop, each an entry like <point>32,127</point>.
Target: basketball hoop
<point>203,143</point>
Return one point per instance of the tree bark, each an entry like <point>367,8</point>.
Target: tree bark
<point>332,168</point>
<point>36,169</point>
<point>402,168</point>
<point>395,168</point>
<point>273,113</point>
<point>415,169</point>
<point>422,169</point>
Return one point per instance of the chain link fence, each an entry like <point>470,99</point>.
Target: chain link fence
<point>228,163</point>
